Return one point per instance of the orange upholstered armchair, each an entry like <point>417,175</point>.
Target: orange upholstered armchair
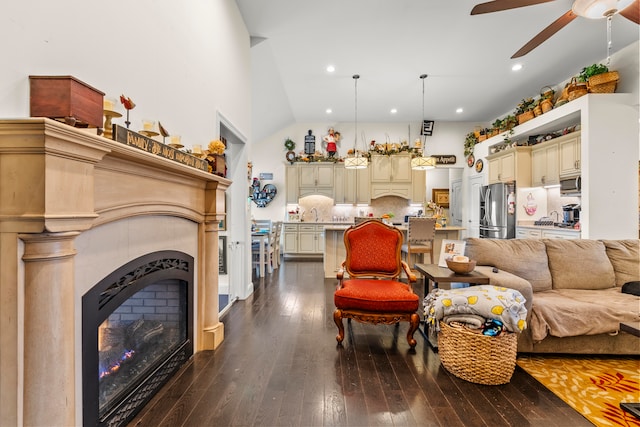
<point>373,293</point>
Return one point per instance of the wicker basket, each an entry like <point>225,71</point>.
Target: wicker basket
<point>525,117</point>
<point>576,90</point>
<point>537,111</point>
<point>603,88</point>
<point>546,105</point>
<point>475,357</point>
<point>608,77</point>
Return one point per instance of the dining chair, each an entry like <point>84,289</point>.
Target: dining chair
<point>369,287</point>
<point>276,232</point>
<point>421,233</point>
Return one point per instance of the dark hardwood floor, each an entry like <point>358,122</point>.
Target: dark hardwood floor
<point>279,365</point>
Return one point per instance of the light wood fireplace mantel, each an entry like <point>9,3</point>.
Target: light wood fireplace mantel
<point>57,182</point>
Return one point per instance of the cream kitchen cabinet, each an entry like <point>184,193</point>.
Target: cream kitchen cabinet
<point>512,164</point>
<point>352,186</point>
<point>291,174</point>
<point>290,238</point>
<point>569,154</point>
<point>560,234</point>
<point>391,169</point>
<point>528,233</point>
<point>391,176</point>
<point>310,239</point>
<point>418,186</point>
<point>315,178</point>
<point>303,239</point>
<point>544,164</point>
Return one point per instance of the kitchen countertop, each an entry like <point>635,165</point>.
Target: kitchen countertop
<point>344,226</point>
<point>545,227</point>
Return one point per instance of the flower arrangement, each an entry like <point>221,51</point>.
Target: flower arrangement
<point>216,147</point>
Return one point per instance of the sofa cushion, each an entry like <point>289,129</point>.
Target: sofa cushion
<point>573,312</point>
<point>625,258</point>
<point>505,279</point>
<point>526,258</point>
<point>579,264</point>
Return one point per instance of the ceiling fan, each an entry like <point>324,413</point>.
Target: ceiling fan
<point>593,9</point>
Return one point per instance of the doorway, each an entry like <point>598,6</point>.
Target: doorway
<point>233,232</point>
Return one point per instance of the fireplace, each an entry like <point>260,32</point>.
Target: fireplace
<point>137,331</point>
<point>85,223</point>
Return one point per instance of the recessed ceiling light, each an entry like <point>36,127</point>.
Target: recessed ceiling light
<point>394,110</point>
<point>459,110</point>
<point>329,111</point>
<point>516,67</point>
<point>330,68</point>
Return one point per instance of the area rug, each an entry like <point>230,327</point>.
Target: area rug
<point>592,386</point>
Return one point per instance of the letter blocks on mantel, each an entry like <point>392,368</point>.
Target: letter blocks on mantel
<point>67,99</point>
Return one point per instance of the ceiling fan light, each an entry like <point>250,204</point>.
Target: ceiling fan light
<point>597,9</point>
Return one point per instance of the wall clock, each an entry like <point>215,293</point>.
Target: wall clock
<point>479,165</point>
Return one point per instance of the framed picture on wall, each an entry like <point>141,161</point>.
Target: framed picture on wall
<point>440,197</point>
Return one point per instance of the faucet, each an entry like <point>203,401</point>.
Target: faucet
<point>557,215</point>
<point>315,213</point>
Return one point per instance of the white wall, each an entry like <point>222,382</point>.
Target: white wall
<point>181,65</point>
<point>178,64</point>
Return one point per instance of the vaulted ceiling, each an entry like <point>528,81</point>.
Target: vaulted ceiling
<point>390,43</point>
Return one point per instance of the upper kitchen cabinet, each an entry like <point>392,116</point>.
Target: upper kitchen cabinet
<point>352,186</point>
<point>569,153</point>
<point>291,172</point>
<point>512,164</point>
<point>544,164</point>
<point>605,153</point>
<point>391,176</point>
<point>315,178</point>
<point>391,169</point>
<point>418,186</point>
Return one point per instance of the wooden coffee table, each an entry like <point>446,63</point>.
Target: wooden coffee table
<point>443,276</point>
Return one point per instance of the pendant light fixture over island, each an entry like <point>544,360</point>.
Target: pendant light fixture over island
<point>356,160</point>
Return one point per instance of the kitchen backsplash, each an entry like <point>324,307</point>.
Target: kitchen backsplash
<point>328,212</point>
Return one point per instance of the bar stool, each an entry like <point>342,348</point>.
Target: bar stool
<point>421,233</point>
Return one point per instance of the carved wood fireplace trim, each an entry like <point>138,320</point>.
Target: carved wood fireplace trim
<point>57,182</point>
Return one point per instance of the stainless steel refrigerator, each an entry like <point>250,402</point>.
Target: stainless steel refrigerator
<point>497,211</point>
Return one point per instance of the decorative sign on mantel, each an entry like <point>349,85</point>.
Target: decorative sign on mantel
<point>141,142</point>
<point>444,159</point>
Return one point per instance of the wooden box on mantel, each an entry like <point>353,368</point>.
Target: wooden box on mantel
<point>67,99</point>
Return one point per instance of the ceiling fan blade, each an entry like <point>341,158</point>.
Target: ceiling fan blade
<point>499,5</point>
<point>632,12</point>
<point>545,34</point>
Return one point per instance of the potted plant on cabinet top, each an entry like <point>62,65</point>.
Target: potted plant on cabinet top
<point>599,79</point>
<point>524,110</point>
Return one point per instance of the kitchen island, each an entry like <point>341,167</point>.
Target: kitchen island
<point>335,252</point>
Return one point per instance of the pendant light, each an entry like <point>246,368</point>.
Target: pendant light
<point>419,162</point>
<point>357,160</point>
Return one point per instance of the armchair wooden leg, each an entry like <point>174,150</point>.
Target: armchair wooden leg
<point>413,327</point>
<point>337,318</point>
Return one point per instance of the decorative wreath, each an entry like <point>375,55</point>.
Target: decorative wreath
<point>291,156</point>
<point>289,144</point>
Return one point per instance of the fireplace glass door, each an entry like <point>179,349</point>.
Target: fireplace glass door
<point>138,336</point>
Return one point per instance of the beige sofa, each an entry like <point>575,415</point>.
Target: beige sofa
<point>573,290</point>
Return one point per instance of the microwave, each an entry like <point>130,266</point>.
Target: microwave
<point>571,186</point>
